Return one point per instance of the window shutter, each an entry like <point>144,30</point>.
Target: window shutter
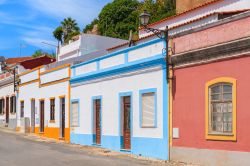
<point>148,110</point>
<point>74,118</point>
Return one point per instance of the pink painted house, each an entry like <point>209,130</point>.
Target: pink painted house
<point>211,94</point>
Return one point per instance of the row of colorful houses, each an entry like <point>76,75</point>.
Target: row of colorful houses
<point>126,98</point>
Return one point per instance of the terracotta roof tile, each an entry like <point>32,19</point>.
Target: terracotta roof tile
<point>185,12</point>
<point>188,22</point>
<point>36,62</point>
<point>16,60</point>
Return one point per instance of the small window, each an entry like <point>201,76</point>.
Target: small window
<point>22,109</point>
<point>75,114</point>
<point>13,104</point>
<point>148,109</point>
<point>1,106</point>
<point>52,109</point>
<point>221,109</point>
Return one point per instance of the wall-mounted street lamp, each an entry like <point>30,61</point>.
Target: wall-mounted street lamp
<point>162,34</point>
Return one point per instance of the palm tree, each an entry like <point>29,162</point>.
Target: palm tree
<point>70,28</point>
<point>58,34</point>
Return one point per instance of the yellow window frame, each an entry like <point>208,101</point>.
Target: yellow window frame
<point>222,137</point>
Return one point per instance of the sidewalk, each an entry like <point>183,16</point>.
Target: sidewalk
<point>94,150</point>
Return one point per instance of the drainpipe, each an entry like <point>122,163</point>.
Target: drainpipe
<point>170,95</point>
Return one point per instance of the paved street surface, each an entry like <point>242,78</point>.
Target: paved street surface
<point>18,150</point>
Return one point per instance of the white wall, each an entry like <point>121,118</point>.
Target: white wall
<point>29,76</point>
<point>26,93</point>
<point>55,75</point>
<point>55,90</point>
<point>109,89</point>
<point>112,61</point>
<point>88,68</point>
<point>33,90</point>
<point>117,59</point>
<point>7,90</point>
<point>145,52</point>
<point>71,50</point>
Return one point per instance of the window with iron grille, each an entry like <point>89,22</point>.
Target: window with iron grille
<point>52,109</point>
<point>22,109</point>
<point>221,109</point>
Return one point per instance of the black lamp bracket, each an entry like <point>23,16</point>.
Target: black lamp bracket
<point>159,33</point>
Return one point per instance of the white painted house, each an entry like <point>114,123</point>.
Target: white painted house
<point>44,100</point>
<point>7,101</point>
<point>81,46</point>
<point>119,101</point>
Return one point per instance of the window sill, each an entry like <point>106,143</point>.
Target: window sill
<point>148,127</point>
<point>74,126</point>
<point>125,150</point>
<point>221,137</point>
<point>221,134</point>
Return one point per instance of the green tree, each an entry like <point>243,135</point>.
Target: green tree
<point>159,9</point>
<point>58,34</point>
<point>120,16</point>
<point>37,53</point>
<point>90,26</point>
<point>70,29</point>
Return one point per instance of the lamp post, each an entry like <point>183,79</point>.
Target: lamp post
<point>162,34</point>
<point>13,71</point>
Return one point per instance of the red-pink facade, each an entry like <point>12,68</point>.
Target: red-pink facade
<point>189,96</point>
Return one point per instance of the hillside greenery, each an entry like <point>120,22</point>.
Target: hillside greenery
<point>117,18</point>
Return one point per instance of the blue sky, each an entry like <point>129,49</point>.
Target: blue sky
<point>30,22</point>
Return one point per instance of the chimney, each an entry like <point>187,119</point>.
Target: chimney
<point>185,5</point>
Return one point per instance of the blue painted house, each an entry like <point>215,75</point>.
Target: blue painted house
<point>119,101</point>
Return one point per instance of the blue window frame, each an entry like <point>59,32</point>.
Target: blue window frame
<point>75,104</point>
<point>148,108</point>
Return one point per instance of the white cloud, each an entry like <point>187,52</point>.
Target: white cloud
<point>81,10</point>
<point>37,36</point>
<point>38,42</point>
<point>3,2</point>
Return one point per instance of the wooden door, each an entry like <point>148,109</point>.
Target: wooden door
<point>62,117</point>
<point>98,120</point>
<point>126,122</point>
<point>33,107</point>
<point>42,116</point>
<point>7,109</point>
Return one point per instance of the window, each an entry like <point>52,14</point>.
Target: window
<point>52,109</point>
<point>75,114</point>
<point>1,106</point>
<point>221,113</point>
<point>22,108</point>
<point>148,108</point>
<point>13,104</point>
